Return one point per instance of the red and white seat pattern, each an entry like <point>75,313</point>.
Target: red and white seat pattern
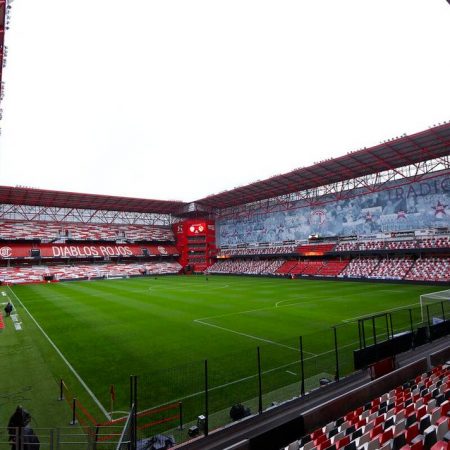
<point>24,274</point>
<point>35,274</point>
<point>347,247</point>
<point>430,269</point>
<point>405,244</point>
<point>392,268</point>
<point>273,250</point>
<point>360,267</point>
<point>411,417</point>
<point>371,245</point>
<point>439,242</point>
<point>265,267</point>
<point>50,231</point>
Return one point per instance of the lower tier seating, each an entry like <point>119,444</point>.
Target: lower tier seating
<point>414,416</point>
<point>392,268</point>
<point>432,269</point>
<point>360,267</point>
<point>34,274</point>
<point>249,267</point>
<point>427,269</point>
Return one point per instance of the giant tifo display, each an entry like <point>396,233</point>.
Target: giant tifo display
<point>318,277</point>
<point>403,205</point>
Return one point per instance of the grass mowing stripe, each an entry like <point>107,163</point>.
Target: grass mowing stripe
<point>267,341</point>
<point>58,351</point>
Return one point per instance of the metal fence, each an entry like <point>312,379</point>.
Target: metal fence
<point>73,438</point>
<point>127,440</point>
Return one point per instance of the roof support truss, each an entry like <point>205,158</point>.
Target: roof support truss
<point>340,190</point>
<point>56,214</point>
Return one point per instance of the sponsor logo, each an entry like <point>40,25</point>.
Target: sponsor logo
<point>162,250</point>
<point>5,252</point>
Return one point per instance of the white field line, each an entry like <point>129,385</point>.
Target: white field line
<point>250,336</point>
<point>292,373</point>
<point>266,308</point>
<point>215,388</point>
<point>352,319</point>
<point>264,372</point>
<point>278,305</point>
<point>58,351</point>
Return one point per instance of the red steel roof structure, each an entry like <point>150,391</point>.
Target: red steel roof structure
<point>433,143</point>
<point>43,197</point>
<point>430,144</point>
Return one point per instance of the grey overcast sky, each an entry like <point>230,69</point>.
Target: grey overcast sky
<point>180,99</point>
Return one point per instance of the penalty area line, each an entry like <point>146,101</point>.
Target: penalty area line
<point>58,351</point>
<point>250,336</point>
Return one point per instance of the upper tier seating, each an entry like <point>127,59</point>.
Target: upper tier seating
<point>405,244</point>
<point>32,274</point>
<point>430,269</point>
<point>437,242</point>
<point>371,245</point>
<point>413,416</point>
<point>273,250</point>
<point>347,247</point>
<point>51,231</point>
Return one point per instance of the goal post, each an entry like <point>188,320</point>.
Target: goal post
<point>437,301</point>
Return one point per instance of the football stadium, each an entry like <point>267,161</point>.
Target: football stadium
<point>305,311</point>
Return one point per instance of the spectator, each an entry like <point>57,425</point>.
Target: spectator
<point>8,309</point>
<point>22,436</point>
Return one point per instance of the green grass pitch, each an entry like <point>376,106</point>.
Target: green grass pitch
<point>162,329</point>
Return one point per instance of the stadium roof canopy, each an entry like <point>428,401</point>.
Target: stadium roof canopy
<point>42,197</point>
<point>430,144</point>
<point>399,152</point>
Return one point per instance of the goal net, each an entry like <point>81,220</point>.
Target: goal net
<point>435,306</point>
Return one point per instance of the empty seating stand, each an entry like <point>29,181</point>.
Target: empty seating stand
<point>414,416</point>
<point>270,250</point>
<point>37,274</point>
<point>51,231</point>
<point>259,267</point>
